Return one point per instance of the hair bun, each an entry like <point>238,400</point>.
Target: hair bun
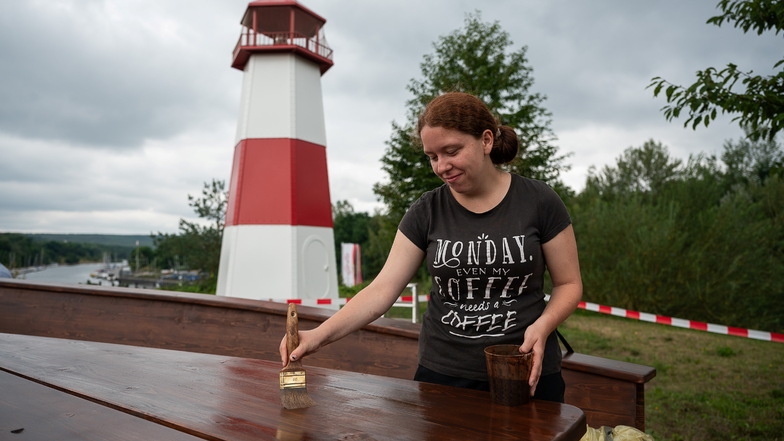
<point>505,145</point>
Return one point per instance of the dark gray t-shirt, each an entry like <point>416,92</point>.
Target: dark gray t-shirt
<point>487,271</point>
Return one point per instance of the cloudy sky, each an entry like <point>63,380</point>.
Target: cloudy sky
<point>113,111</point>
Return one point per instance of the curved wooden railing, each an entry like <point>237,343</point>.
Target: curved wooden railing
<point>609,392</point>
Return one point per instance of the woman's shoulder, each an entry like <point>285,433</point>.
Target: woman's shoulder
<point>430,197</point>
<point>531,184</point>
<point>536,190</point>
<point>417,219</point>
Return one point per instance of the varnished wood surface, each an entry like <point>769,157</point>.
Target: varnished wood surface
<point>231,398</point>
<point>610,392</point>
<point>33,412</point>
<point>630,372</point>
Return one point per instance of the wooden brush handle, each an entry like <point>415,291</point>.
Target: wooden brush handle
<point>292,329</point>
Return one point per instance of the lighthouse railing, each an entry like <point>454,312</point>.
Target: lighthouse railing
<point>250,39</point>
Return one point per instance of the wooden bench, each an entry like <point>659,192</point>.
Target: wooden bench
<point>609,392</point>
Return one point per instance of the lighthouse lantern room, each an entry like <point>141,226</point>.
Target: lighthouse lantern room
<point>282,26</point>
<point>278,240</point>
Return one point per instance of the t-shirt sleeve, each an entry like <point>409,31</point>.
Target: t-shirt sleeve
<point>555,217</point>
<point>414,224</point>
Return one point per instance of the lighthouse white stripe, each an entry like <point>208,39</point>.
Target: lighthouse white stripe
<point>281,98</point>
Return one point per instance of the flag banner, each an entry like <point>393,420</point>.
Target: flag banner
<point>351,266</point>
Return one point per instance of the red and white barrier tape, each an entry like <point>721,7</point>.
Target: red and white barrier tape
<point>313,302</point>
<point>683,323</point>
<point>619,312</point>
<point>341,301</point>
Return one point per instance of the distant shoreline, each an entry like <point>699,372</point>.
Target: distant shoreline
<point>123,240</point>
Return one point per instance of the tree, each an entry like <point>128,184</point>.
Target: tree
<point>748,161</point>
<point>141,257</point>
<point>203,242</point>
<point>381,235</point>
<point>14,249</point>
<point>757,100</point>
<point>637,170</point>
<point>701,240</point>
<point>198,244</point>
<point>476,59</point>
<point>211,206</point>
<point>349,227</point>
<point>169,249</point>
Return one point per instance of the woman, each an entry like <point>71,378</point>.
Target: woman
<point>487,236</point>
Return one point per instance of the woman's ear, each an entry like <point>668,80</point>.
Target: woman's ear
<point>487,141</point>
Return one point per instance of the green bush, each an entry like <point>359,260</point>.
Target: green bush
<point>700,242</point>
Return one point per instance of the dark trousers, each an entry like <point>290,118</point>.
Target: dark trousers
<point>550,387</point>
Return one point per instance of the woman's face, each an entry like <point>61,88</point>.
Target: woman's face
<point>457,158</point>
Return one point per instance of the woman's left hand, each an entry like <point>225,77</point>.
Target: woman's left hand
<point>560,253</point>
<point>535,339</point>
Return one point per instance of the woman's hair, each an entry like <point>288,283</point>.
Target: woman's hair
<point>468,114</point>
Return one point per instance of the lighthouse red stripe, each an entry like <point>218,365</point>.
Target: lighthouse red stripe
<point>279,181</point>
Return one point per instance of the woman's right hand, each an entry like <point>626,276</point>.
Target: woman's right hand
<point>306,346</point>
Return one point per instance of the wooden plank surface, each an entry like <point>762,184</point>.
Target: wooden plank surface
<point>222,397</point>
<point>30,411</point>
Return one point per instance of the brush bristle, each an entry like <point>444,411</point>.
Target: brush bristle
<point>296,398</point>
<point>293,387</point>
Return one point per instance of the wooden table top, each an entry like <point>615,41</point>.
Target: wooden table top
<point>84,390</point>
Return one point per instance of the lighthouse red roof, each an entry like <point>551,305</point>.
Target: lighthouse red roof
<point>266,3</point>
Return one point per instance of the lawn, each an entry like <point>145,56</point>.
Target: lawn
<point>707,386</point>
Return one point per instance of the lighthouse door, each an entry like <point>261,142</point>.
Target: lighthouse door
<point>315,269</point>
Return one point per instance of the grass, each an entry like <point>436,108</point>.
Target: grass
<point>707,386</point>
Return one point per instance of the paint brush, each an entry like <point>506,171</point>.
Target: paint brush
<point>293,384</point>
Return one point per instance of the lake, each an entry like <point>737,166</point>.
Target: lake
<point>71,274</point>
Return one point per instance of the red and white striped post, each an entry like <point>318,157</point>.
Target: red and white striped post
<point>278,240</point>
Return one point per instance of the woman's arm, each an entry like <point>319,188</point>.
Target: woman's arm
<point>368,305</point>
<point>560,254</point>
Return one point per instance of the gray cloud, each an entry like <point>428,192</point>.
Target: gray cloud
<point>112,112</point>
<point>79,76</point>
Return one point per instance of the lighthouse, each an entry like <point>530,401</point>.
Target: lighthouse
<point>278,240</point>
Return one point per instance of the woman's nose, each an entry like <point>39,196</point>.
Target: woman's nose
<point>443,165</point>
